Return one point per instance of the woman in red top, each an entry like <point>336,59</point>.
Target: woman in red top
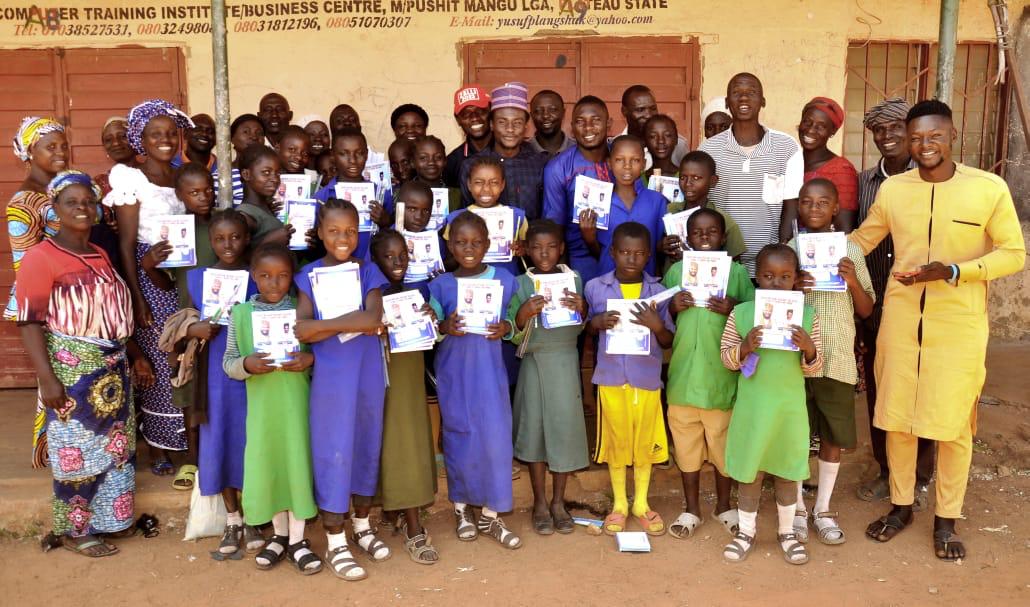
<point>820,120</point>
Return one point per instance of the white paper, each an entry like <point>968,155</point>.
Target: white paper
<point>627,337</point>
<point>408,329</point>
<point>180,232</point>
<point>273,334</point>
<point>424,259</point>
<point>222,289</point>
<point>552,287</point>
<point>294,186</point>
<point>479,303</point>
<point>500,224</point>
<point>776,312</point>
<point>337,291</point>
<point>676,225</point>
<point>632,541</point>
<point>667,186</point>
<point>441,206</point>
<point>378,173</point>
<point>820,255</point>
<point>595,195</point>
<point>361,195</point>
<point>705,275</point>
<point>301,215</point>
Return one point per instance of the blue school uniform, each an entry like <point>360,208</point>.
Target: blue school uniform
<point>364,238</point>
<point>559,186</point>
<point>346,408</point>
<point>648,209</point>
<point>224,435</point>
<point>475,408</point>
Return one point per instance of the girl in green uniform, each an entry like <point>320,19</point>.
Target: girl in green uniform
<point>768,432</point>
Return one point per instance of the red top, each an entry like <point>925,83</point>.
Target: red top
<point>844,176</point>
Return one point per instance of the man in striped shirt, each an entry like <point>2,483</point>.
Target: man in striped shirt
<point>886,120</point>
<point>760,170</point>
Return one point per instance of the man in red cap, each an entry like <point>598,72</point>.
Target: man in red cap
<point>471,110</point>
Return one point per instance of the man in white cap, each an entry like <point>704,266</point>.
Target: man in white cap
<point>715,117</point>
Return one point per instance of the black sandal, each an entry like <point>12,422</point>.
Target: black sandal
<point>270,555</point>
<point>543,524</point>
<point>374,546</point>
<point>943,539</point>
<point>302,563</point>
<point>885,528</point>
<point>563,522</point>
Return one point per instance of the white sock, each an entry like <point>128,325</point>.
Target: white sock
<point>748,522</point>
<point>801,497</point>
<point>280,526</point>
<point>234,518</point>
<point>360,524</point>
<point>363,524</point>
<point>297,535</point>
<point>336,540</point>
<point>785,518</point>
<point>489,513</point>
<point>460,507</point>
<point>827,478</point>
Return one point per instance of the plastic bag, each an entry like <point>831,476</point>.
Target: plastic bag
<point>207,514</point>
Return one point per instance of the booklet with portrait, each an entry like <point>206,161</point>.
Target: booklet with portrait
<point>627,337</point>
<point>337,291</point>
<point>441,205</point>
<point>300,214</point>
<point>500,225</point>
<point>666,186</point>
<point>777,312</point>
<point>361,195</point>
<point>223,289</point>
<point>180,232</point>
<point>479,303</point>
<point>272,331</point>
<point>424,260</point>
<point>553,287</point>
<point>820,255</point>
<point>705,274</point>
<point>595,195</point>
<point>408,329</point>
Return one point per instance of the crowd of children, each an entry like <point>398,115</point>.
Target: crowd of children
<point>342,426</point>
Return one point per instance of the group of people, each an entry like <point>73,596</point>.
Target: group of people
<point>343,425</point>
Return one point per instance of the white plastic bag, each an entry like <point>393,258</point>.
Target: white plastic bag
<point>207,514</point>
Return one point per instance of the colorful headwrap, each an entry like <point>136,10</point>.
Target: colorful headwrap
<point>71,177</point>
<point>887,110</point>
<point>31,130</point>
<point>829,107</point>
<point>143,113</point>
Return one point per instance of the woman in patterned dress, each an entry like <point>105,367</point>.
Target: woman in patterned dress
<point>137,196</point>
<point>75,315</point>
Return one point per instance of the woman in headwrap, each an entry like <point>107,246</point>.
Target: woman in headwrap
<point>114,138</point>
<point>820,120</point>
<point>138,195</point>
<point>75,315</point>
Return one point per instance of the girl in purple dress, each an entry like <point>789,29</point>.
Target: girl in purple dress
<point>347,392</point>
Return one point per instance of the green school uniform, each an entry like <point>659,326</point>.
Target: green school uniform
<point>407,470</point>
<point>697,376</point>
<point>769,428</point>
<point>264,220</point>
<point>547,415</point>
<point>277,458</point>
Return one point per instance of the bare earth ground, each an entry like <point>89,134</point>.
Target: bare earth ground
<point>586,570</point>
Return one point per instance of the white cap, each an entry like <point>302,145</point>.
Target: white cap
<point>715,104</point>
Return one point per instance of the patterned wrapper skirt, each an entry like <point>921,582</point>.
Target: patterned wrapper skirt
<point>92,439</point>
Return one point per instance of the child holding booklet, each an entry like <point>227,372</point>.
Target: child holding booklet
<point>631,431</point>
<point>548,412</point>
<point>631,201</point>
<point>661,138</point>
<point>346,416</point>
<point>473,389</point>
<point>277,456</point>
<point>701,391</point>
<point>697,178</point>
<point>223,432</point>
<point>486,184</point>
<point>418,208</point>
<point>350,153</point>
<point>768,432</point>
<point>259,170</point>
<point>831,394</point>
<point>429,157</point>
<point>407,472</point>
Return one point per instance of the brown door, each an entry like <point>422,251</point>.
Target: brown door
<point>82,88</point>
<point>603,67</point>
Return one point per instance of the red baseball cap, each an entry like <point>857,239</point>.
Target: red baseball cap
<point>471,96</point>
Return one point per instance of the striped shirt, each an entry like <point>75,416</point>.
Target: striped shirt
<point>237,188</point>
<point>837,311</point>
<point>881,259</point>
<point>753,185</point>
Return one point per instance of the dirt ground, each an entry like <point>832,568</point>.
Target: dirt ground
<point>587,570</point>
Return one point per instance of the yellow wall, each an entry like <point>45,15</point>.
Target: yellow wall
<point>797,48</point>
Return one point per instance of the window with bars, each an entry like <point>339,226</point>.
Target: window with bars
<point>879,70</point>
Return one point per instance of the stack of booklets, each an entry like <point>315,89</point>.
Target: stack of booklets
<point>777,312</point>
<point>408,329</point>
<point>820,255</point>
<point>595,195</point>
<point>705,275</point>
<point>627,337</point>
<point>479,303</point>
<point>337,291</point>
<point>272,332</point>
<point>424,259</point>
<point>553,287</point>
<point>361,195</point>
<point>300,214</point>
<point>666,186</point>
<point>500,224</point>
<point>632,541</point>
<point>180,232</point>
<point>223,289</point>
<point>441,205</point>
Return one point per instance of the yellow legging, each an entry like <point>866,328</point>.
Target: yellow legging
<point>641,483</point>
<point>953,459</point>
